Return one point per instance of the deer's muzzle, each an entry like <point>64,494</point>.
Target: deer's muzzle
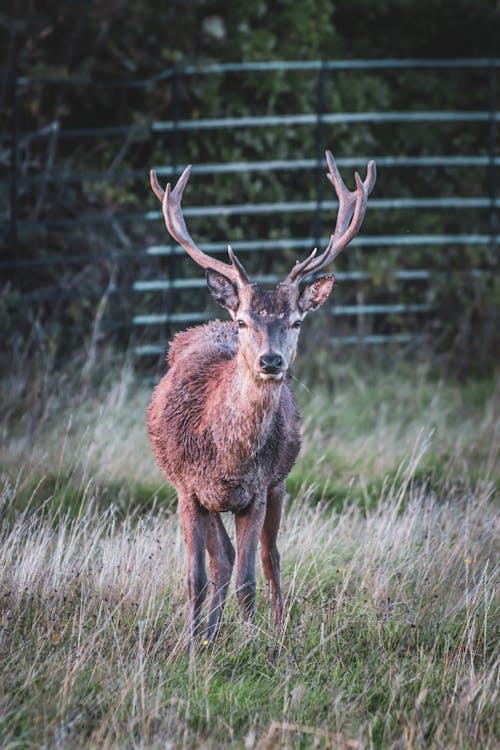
<point>271,366</point>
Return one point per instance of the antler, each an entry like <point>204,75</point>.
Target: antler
<point>176,226</point>
<point>352,207</point>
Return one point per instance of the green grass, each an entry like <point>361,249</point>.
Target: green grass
<point>389,553</point>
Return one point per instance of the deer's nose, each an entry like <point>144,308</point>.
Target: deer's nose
<point>271,363</point>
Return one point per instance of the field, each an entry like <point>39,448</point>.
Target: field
<point>389,554</point>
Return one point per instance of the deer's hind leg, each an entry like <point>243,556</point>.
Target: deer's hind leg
<point>221,553</point>
<point>194,520</point>
<point>269,550</point>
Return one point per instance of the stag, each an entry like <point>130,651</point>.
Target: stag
<point>223,421</point>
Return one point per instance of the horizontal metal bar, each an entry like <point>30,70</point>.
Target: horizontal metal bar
<point>47,131</point>
<point>216,123</point>
<point>162,318</point>
<point>241,246</point>
<point>146,320</point>
<point>394,338</point>
<point>157,285</point>
<point>55,127</point>
<point>313,119</point>
<point>285,165</point>
<point>261,209</point>
<point>162,285</point>
<point>246,209</point>
<point>112,256</point>
<point>416,274</point>
<point>305,242</point>
<point>146,350</point>
<point>149,350</point>
<point>343,65</point>
<point>360,161</point>
<point>379,309</point>
<point>302,244</point>
<point>273,65</point>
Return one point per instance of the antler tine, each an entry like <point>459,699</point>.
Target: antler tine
<point>238,265</point>
<point>176,226</point>
<point>297,270</point>
<point>157,190</point>
<point>352,208</point>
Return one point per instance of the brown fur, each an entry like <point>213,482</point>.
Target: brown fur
<point>223,421</point>
<point>226,439</point>
<point>225,429</point>
<point>217,434</point>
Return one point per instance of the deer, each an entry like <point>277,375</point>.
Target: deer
<point>223,421</point>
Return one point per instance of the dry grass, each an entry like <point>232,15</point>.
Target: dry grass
<point>391,635</point>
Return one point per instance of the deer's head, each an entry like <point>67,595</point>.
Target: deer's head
<point>269,321</point>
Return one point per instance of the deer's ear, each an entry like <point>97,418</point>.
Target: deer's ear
<point>315,294</point>
<point>222,290</point>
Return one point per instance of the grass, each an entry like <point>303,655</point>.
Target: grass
<point>389,553</point>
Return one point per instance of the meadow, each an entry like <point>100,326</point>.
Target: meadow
<point>389,549</point>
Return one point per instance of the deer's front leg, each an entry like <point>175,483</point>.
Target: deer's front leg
<point>194,520</point>
<point>248,528</point>
<point>221,555</point>
<point>269,550</point>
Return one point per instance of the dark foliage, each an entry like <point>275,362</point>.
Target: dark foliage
<point>88,294</point>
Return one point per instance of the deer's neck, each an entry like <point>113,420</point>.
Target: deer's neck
<point>242,411</point>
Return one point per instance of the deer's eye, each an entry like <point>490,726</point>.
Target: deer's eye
<point>241,323</point>
<point>296,324</point>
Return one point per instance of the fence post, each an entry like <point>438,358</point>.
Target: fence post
<point>492,177</point>
<point>14,158</point>
<point>320,154</point>
<point>169,297</point>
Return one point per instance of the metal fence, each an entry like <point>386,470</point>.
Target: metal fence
<point>466,213</point>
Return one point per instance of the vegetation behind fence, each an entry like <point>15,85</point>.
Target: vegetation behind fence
<point>90,256</point>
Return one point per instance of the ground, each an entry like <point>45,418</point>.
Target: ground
<point>389,549</point>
